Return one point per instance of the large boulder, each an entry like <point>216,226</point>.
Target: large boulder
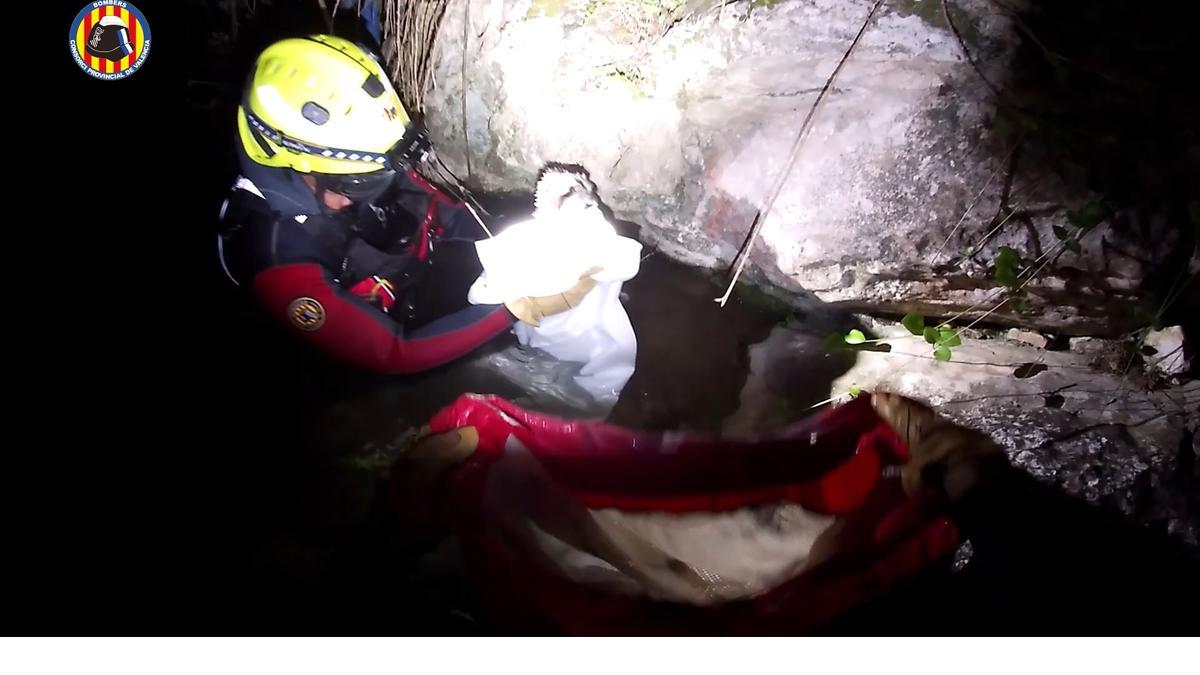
<point>685,112</point>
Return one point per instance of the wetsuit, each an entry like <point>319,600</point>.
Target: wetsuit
<point>350,281</point>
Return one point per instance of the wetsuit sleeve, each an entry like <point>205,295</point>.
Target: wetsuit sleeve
<point>350,330</point>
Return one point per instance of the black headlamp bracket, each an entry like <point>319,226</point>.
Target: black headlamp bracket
<point>412,147</point>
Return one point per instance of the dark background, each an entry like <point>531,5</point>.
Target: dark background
<point>160,418</point>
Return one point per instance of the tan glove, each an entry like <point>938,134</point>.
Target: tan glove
<point>533,310</point>
<point>947,459</point>
<point>420,471</point>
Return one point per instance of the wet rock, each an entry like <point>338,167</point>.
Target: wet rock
<point>1168,354</point>
<point>685,113</point>
<point>1092,433</point>
<point>1028,337</point>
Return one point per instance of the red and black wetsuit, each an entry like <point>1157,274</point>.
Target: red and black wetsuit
<point>313,270</point>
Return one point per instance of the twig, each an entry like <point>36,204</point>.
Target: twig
<point>1048,259</point>
<point>975,249</point>
<point>463,82</point>
<point>740,261</point>
<point>325,15</point>
<point>996,291</point>
<point>1143,334</point>
<point>478,219</point>
<point>443,171</point>
<point>966,52</point>
<point>1061,245</point>
<point>1094,427</point>
<point>1006,191</point>
<point>958,333</point>
<point>1181,407</point>
<point>410,30</point>
<point>970,206</point>
<point>986,397</point>
<point>988,298</point>
<point>1175,291</point>
<point>620,157</point>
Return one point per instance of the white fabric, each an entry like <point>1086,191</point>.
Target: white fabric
<point>243,183</point>
<point>547,254</point>
<point>698,558</point>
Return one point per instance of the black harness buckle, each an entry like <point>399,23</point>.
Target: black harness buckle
<point>412,147</point>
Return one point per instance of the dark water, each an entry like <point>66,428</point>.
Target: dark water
<point>691,365</point>
<point>313,441</point>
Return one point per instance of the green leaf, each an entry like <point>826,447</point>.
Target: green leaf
<point>1008,262</point>
<point>1017,305</point>
<point>1007,257</point>
<point>1006,276</point>
<point>948,337</point>
<point>931,335</point>
<point>854,391</point>
<point>942,353</point>
<point>1061,232</point>
<point>1073,245</point>
<point>855,337</point>
<point>915,323</point>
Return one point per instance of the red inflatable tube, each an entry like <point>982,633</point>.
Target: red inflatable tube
<point>830,462</point>
<point>826,463</point>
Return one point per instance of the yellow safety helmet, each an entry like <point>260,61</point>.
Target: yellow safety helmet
<point>321,104</point>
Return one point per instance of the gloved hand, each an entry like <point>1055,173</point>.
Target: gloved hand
<point>377,291</point>
<point>533,310</point>
<point>419,472</point>
<point>947,460</point>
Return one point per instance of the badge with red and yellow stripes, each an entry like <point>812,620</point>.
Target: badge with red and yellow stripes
<point>110,39</point>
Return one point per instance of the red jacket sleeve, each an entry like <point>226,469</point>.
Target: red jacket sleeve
<point>352,331</point>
